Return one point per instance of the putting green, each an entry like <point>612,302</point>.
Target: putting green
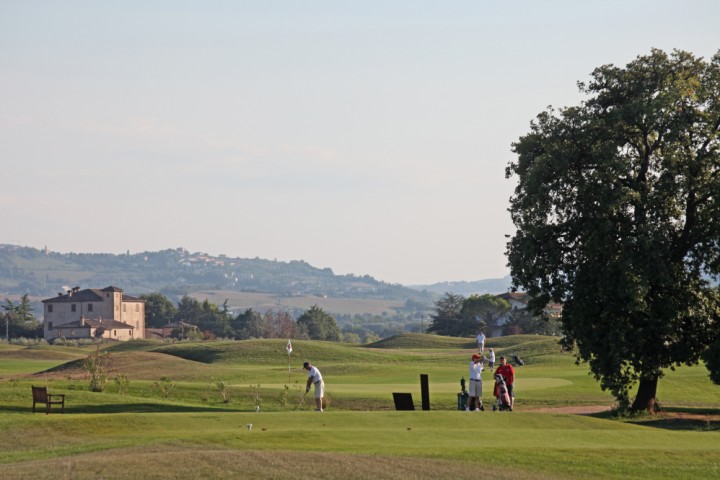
<point>541,383</point>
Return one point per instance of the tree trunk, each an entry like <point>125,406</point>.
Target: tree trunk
<point>645,398</point>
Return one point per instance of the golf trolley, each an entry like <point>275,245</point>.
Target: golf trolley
<point>501,393</point>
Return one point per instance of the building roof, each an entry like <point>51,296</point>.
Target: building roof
<point>112,289</point>
<point>89,295</point>
<point>522,297</point>
<point>96,323</point>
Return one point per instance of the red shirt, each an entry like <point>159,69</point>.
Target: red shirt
<point>508,373</point>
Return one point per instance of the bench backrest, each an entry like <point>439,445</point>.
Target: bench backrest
<point>39,394</point>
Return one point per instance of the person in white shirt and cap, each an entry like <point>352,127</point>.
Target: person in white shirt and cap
<point>475,388</point>
<point>315,378</point>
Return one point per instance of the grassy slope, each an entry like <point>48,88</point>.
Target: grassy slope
<point>142,428</point>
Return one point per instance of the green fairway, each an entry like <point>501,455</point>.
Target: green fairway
<point>193,433</point>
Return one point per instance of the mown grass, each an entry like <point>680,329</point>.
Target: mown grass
<point>525,445</point>
<point>192,433</point>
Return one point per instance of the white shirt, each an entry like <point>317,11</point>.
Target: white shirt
<point>492,356</point>
<point>315,373</point>
<point>475,369</point>
<point>481,339</point>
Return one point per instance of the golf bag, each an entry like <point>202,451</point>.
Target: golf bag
<point>517,360</point>
<point>502,395</point>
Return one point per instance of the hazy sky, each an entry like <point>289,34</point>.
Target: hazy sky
<point>370,137</point>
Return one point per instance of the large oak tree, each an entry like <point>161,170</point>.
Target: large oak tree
<point>617,211</point>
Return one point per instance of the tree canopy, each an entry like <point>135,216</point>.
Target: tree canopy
<point>446,320</point>
<point>479,311</point>
<point>18,319</point>
<point>318,325</point>
<point>159,310</point>
<point>457,316</point>
<point>616,208</point>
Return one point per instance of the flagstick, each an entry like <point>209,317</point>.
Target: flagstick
<point>289,350</point>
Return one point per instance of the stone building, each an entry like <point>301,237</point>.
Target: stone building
<point>94,313</point>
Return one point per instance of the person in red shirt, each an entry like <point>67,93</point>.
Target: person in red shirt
<point>508,373</point>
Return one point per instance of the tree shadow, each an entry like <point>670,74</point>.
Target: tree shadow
<point>697,419</point>
<point>688,424</point>
<point>124,408</point>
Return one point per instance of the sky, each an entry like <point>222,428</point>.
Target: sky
<point>370,137</point>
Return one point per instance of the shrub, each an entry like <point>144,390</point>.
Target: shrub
<point>122,382</point>
<point>94,365</point>
<point>224,389</point>
<point>165,385</point>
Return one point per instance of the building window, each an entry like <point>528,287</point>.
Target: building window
<point>72,333</point>
<point>89,307</point>
<point>114,333</point>
<point>49,325</point>
<point>137,307</point>
<point>50,308</point>
<point>124,308</point>
<point>73,307</point>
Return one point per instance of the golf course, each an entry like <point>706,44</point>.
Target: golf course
<point>237,409</point>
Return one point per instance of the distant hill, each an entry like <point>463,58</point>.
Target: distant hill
<point>480,287</point>
<point>177,271</point>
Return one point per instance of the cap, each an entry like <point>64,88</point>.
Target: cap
<point>476,357</point>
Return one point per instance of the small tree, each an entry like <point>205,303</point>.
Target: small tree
<point>319,325</point>
<point>256,396</point>
<point>122,382</point>
<point>447,319</point>
<point>479,311</point>
<point>94,365</point>
<point>223,388</point>
<point>166,386</point>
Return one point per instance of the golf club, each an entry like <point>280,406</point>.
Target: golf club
<point>302,400</point>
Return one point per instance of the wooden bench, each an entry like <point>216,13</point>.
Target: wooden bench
<point>41,396</point>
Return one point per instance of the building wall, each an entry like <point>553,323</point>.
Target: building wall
<point>122,334</point>
<point>133,313</point>
<point>107,308</point>
<point>69,332</point>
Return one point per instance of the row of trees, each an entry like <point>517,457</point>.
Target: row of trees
<point>217,321</point>
<point>459,316</point>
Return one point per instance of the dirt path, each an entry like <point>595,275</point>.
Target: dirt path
<point>576,410</point>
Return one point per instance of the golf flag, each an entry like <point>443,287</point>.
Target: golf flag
<point>289,347</point>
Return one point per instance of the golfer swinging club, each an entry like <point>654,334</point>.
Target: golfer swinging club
<point>315,377</point>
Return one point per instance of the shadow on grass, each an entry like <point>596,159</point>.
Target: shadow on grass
<point>692,424</point>
<point>674,418</point>
<point>124,408</point>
